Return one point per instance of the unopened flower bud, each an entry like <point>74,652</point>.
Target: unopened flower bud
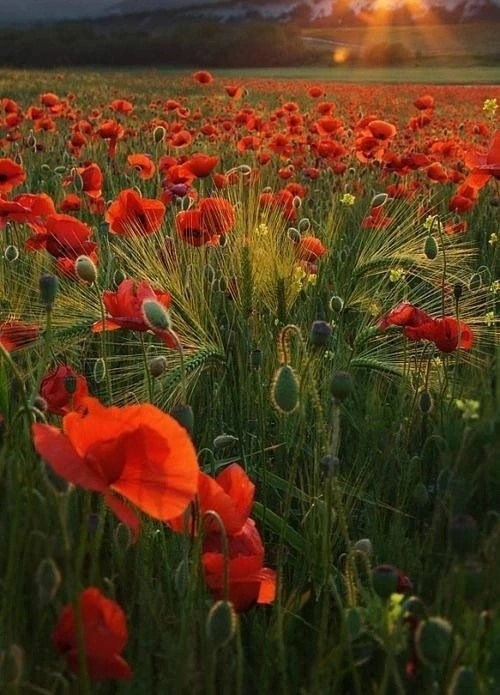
<point>433,639</point>
<point>385,580</point>
<point>48,285</point>
<point>364,545</point>
<point>320,333</point>
<point>285,390</point>
<point>158,366</point>
<point>48,580</point>
<point>464,682</point>
<point>85,269</point>
<point>430,248</point>
<point>341,385</point>
<point>224,440</point>
<point>11,253</point>
<point>379,199</point>
<point>156,315</point>
<point>221,624</point>
<point>425,402</point>
<point>183,413</point>
<point>159,134</point>
<point>336,304</point>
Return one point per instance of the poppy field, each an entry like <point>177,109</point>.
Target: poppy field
<point>249,394</point>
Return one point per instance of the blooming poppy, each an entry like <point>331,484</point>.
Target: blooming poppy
<point>63,236</point>
<point>143,164</point>
<point>230,495</point>
<point>217,215</point>
<point>249,582</point>
<point>309,249</point>
<point>135,452</point>
<point>404,314</point>
<point>104,636</point>
<point>132,215</point>
<point>12,174</point>
<point>190,228</point>
<point>15,334</point>
<point>91,179</point>
<point>484,165</point>
<point>124,309</point>
<point>426,101</point>
<point>201,165</point>
<point>376,219</point>
<point>63,389</point>
<point>203,77</point>
<point>121,106</point>
<point>446,333</point>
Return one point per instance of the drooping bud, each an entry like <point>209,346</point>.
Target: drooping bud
<point>379,199</point>
<point>385,580</point>
<point>159,134</point>
<point>48,580</point>
<point>183,413</point>
<point>156,316</point>
<point>85,269</point>
<point>433,639</point>
<point>158,366</point>
<point>320,333</point>
<point>430,248</point>
<point>425,402</point>
<point>336,304</point>
<point>11,253</point>
<point>464,682</point>
<point>364,545</point>
<point>224,440</point>
<point>221,624</point>
<point>285,390</point>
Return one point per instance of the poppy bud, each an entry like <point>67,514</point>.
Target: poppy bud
<point>430,248</point>
<point>415,606</point>
<point>11,665</point>
<point>158,366</point>
<point>364,545</point>
<point>458,289</point>
<point>463,534</point>
<point>336,304</point>
<point>48,286</point>
<point>464,682</point>
<point>341,385</point>
<point>159,134</point>
<point>224,440</point>
<point>256,358</point>
<point>379,199</point>
<point>156,316</point>
<point>294,235</point>
<point>85,269</point>
<point>11,253</point>
<point>122,537</point>
<point>425,402</point>
<point>221,624</point>
<point>31,140</point>
<point>77,181</point>
<point>353,623</point>
<point>48,580</point>
<point>184,415</point>
<point>285,390</point>
<point>99,371</point>
<point>433,639</point>
<point>60,170</point>
<point>385,580</point>
<point>320,333</point>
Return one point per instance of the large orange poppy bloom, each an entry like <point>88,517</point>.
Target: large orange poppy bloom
<point>12,174</point>
<point>104,636</point>
<point>132,215</point>
<point>217,215</point>
<point>64,236</point>
<point>15,334</point>
<point>143,164</point>
<point>137,452</point>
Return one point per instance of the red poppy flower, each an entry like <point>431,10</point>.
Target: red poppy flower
<point>315,92</point>
<point>382,130</point>
<point>124,308</point>
<point>447,334</point>
<point>230,494</point>
<point>217,215</point>
<point>309,249</point>
<point>234,91</point>
<point>70,203</point>
<point>143,164</point>
<point>136,452</point>
<point>64,236</point>
<point>132,215</point>
<point>12,174</point>
<point>15,335</point>
<point>376,219</point>
<point>200,165</point>
<point>63,389</point>
<point>404,314</point>
<point>203,77</point>
<point>92,179</point>
<point>104,636</point>
<point>121,106</point>
<point>190,228</point>
<point>249,582</point>
<point>426,101</point>
<point>182,138</point>
<point>484,165</point>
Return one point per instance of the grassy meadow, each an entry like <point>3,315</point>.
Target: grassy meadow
<point>249,386</point>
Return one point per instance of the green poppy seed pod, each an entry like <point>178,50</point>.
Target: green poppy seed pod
<point>11,253</point>
<point>285,390</point>
<point>48,286</point>
<point>473,579</point>
<point>320,333</point>
<point>430,248</point>
<point>40,404</point>
<point>425,402</point>
<point>341,385</point>
<point>458,290</point>
<point>224,440</point>
<point>378,200</point>
<point>434,639</point>
<point>221,624</point>
<point>463,534</point>
<point>70,384</point>
<point>385,580</point>
<point>159,134</point>
<point>156,316</point>
<point>99,371</point>
<point>184,415</point>
<point>336,304</point>
<point>420,495</point>
<point>11,665</point>
<point>48,580</point>
<point>85,269</point>
<point>122,537</point>
<point>364,545</point>
<point>464,682</point>
<point>158,366</point>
